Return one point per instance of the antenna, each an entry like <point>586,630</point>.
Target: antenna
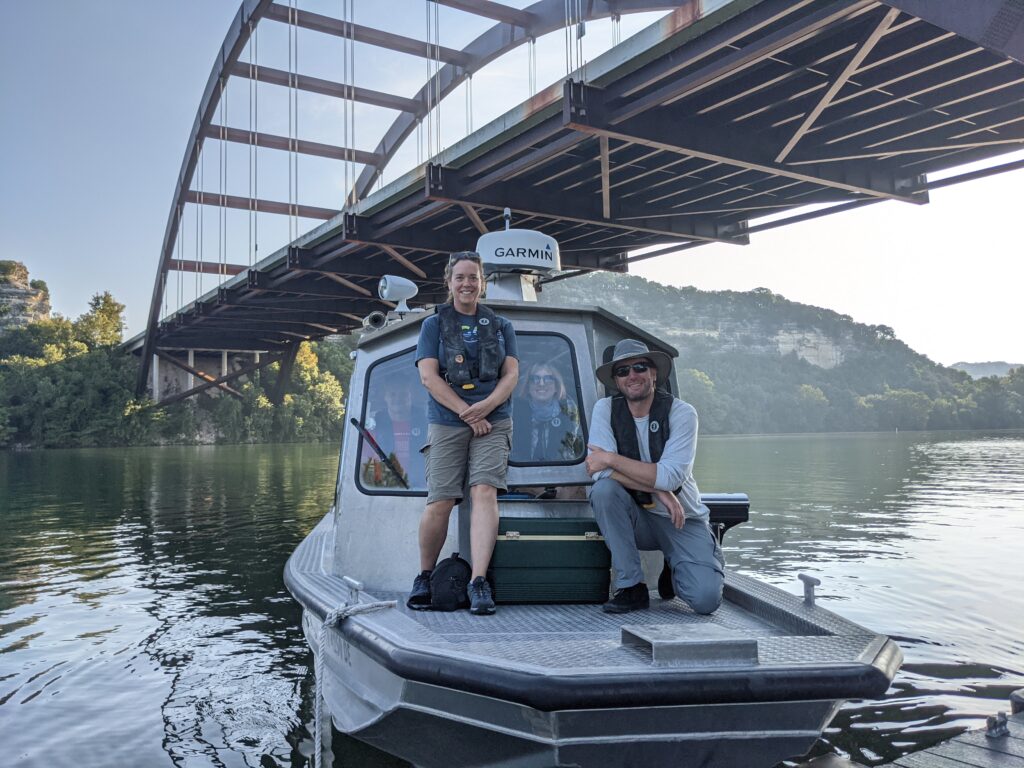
<point>508,217</point>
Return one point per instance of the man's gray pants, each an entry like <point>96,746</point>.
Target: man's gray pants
<point>692,551</point>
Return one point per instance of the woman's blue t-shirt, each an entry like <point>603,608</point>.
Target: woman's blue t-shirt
<point>430,344</point>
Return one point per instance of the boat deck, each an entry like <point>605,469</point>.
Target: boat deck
<point>583,636</point>
<point>760,643</point>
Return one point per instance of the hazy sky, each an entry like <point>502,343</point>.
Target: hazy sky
<point>97,100</point>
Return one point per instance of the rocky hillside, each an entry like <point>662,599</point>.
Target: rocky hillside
<point>21,301</point>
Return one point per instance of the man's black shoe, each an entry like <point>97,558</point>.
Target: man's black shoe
<point>665,589</point>
<point>480,601</point>
<point>419,597</point>
<point>628,599</point>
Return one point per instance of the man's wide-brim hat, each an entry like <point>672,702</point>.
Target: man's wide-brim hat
<point>630,349</point>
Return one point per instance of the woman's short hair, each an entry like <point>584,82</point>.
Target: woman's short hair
<point>539,366</point>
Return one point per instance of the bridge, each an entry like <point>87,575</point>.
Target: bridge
<point>721,119</point>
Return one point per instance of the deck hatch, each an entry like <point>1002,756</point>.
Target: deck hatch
<point>691,645</point>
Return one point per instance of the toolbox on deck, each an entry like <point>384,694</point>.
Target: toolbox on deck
<point>550,560</point>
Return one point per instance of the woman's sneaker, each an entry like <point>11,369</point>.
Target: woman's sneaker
<point>419,597</point>
<point>480,601</point>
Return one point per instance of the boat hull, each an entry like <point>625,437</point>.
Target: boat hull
<point>431,725</point>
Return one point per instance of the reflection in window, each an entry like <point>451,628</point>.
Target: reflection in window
<point>547,427</point>
<point>396,418</point>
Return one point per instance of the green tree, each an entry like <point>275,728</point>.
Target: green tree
<point>103,324</point>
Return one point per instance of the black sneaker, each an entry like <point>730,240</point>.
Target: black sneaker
<point>665,589</point>
<point>419,597</point>
<point>628,599</point>
<point>480,601</point>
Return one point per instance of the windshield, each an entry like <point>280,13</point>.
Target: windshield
<point>547,426</point>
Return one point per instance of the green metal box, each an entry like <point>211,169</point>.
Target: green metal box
<point>550,560</point>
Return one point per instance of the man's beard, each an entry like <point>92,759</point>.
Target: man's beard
<point>641,394</point>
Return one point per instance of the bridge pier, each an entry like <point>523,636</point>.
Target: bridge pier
<point>174,379</point>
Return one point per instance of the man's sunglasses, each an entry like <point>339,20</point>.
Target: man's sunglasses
<point>623,370</point>
<point>545,379</point>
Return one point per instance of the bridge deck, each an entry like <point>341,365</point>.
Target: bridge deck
<point>680,137</point>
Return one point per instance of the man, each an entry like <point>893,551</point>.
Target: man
<point>643,443</point>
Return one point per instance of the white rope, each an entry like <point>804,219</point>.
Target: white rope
<point>336,616</point>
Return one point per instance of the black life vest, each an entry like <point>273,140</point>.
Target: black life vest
<point>459,369</point>
<point>624,429</point>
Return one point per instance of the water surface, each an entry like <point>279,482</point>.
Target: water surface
<point>143,619</point>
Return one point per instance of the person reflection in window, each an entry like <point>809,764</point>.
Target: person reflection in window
<point>547,420</point>
<point>400,429</point>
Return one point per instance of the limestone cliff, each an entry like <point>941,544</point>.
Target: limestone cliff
<point>21,301</point>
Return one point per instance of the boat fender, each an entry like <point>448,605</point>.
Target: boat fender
<point>448,583</point>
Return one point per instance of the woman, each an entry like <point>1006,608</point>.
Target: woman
<point>467,359</point>
<point>547,418</point>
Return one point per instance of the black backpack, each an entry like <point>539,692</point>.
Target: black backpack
<point>448,583</point>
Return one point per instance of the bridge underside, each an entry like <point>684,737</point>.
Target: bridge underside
<point>680,136</point>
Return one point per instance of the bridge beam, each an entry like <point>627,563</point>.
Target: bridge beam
<point>368,35</point>
<point>302,146</point>
<point>446,184</point>
<point>587,109</point>
<point>259,206</point>
<point>326,87</point>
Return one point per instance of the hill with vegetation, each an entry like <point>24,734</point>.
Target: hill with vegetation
<point>749,362</point>
<point>754,362</point>
<point>66,383</point>
<point>992,368</point>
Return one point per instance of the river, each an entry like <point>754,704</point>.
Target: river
<point>144,622</point>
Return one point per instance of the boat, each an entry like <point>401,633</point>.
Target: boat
<point>556,681</point>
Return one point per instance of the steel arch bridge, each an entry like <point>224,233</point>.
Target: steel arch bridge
<point>721,112</point>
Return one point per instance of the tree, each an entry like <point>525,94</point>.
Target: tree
<point>103,324</point>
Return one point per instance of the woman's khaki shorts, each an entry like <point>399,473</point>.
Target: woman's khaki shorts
<point>451,451</point>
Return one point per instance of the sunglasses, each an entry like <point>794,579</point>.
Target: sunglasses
<point>623,370</point>
<point>455,258</point>
<point>545,379</point>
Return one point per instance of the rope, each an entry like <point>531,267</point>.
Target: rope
<point>336,616</point>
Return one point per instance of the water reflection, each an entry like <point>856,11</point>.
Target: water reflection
<point>912,535</point>
<point>143,609</point>
<point>143,620</point>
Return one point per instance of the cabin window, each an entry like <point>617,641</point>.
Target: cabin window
<point>395,416</point>
<point>548,425</point>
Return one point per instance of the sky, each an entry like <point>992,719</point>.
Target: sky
<point>97,100</point>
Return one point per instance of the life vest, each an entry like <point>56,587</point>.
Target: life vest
<point>459,369</point>
<point>624,429</point>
